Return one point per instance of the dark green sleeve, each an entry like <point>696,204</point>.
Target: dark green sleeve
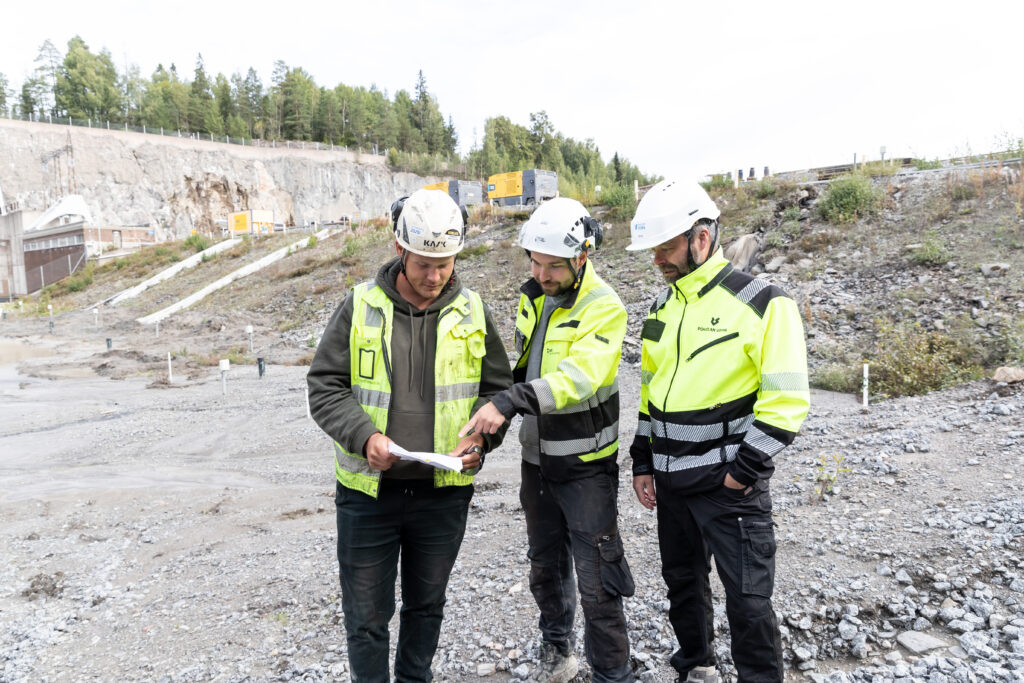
<point>495,376</point>
<point>329,382</point>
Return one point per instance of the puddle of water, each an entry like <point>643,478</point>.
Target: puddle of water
<point>13,352</point>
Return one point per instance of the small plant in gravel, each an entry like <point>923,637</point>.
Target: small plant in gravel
<point>791,213</point>
<point>791,228</point>
<point>311,242</point>
<point>478,250</point>
<point>849,198</point>
<point>774,240</point>
<point>931,252</point>
<point>827,471</point>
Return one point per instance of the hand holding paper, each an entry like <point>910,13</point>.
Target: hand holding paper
<point>444,462</point>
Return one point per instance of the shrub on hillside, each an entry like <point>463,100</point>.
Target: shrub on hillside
<point>197,243</point>
<point>909,361</point>
<point>848,198</point>
<point>765,189</point>
<point>932,252</point>
<point>837,377</point>
<point>719,181</point>
<point>620,196</point>
<point>962,191</point>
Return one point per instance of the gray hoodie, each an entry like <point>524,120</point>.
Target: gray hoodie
<point>413,341</point>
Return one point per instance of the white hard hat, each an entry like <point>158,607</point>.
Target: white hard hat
<point>668,209</point>
<point>560,227</point>
<point>429,223</point>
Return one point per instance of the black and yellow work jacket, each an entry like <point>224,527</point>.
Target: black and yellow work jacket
<point>576,397</point>
<point>723,379</point>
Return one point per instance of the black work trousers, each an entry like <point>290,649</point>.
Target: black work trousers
<point>424,526</point>
<point>737,530</point>
<point>577,522</point>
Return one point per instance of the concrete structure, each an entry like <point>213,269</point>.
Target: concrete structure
<point>12,256</point>
<point>52,253</point>
<point>119,240</point>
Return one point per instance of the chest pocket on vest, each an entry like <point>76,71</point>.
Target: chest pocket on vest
<point>557,342</point>
<point>471,347</point>
<point>368,355</point>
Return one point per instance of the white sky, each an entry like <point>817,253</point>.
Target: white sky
<point>680,90</point>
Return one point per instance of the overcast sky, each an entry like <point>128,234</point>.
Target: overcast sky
<point>680,90</point>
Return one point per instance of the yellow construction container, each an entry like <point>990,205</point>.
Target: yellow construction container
<point>505,185</point>
<point>251,222</point>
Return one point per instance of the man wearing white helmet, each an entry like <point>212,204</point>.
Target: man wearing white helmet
<point>569,331</point>
<point>406,358</point>
<point>723,391</point>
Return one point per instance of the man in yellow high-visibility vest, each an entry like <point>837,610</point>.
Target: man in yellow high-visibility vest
<point>569,331</point>
<point>406,359</point>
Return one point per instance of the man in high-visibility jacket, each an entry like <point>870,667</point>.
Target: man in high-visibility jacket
<point>723,391</point>
<point>405,360</point>
<point>569,331</point>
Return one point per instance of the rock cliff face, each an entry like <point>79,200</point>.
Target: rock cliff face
<point>177,184</point>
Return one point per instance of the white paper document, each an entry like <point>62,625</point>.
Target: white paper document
<point>442,462</point>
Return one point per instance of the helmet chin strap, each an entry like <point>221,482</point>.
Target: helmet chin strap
<point>576,274</point>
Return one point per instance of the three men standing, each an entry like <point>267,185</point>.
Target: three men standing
<point>723,390</point>
<point>569,330</point>
<point>414,355</point>
<point>405,358</point>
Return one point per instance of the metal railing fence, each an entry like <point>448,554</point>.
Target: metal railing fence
<point>192,135</point>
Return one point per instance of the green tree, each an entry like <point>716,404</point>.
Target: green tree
<point>165,101</point>
<point>409,138</point>
<point>224,97</point>
<point>203,116</point>
<point>4,94</point>
<point>29,104</point>
<point>48,63</point>
<point>298,98</point>
<point>248,99</point>
<point>87,84</point>
<point>133,94</point>
<point>328,120</point>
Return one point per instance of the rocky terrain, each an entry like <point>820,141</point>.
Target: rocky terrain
<point>159,530</point>
<point>176,185</point>
<point>179,534</point>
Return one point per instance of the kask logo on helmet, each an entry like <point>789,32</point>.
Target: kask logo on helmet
<point>639,227</point>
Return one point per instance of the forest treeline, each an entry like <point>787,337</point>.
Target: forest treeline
<point>83,84</point>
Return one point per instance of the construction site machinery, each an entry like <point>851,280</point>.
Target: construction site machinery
<point>464,192</point>
<point>522,187</point>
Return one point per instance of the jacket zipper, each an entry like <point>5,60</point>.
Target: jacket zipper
<point>383,344</point>
<point>529,342</point>
<point>679,348</point>
<point>712,343</point>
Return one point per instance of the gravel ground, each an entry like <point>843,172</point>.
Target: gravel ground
<point>156,531</point>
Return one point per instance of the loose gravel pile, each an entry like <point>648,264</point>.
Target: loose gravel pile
<point>185,535</point>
